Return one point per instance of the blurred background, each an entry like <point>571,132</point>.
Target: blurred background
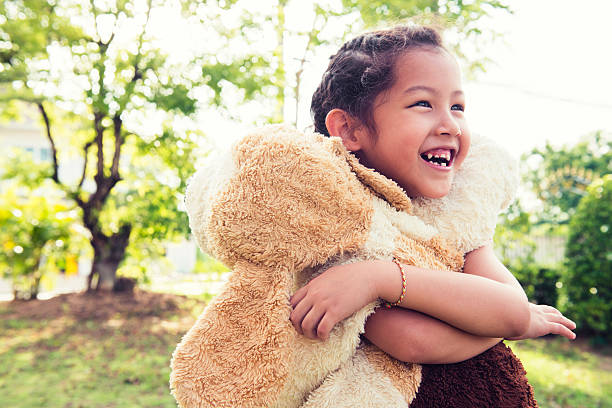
<point>108,106</point>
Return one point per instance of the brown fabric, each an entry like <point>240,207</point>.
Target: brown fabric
<point>493,379</point>
<point>433,254</point>
<point>288,206</point>
<point>380,185</point>
<point>284,209</point>
<point>405,377</point>
<point>228,339</point>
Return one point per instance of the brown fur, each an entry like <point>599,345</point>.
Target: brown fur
<point>379,185</point>
<point>284,210</point>
<point>255,351</point>
<point>291,206</point>
<point>406,377</point>
<point>432,254</point>
<point>495,378</point>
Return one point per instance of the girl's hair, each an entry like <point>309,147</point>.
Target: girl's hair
<point>362,69</point>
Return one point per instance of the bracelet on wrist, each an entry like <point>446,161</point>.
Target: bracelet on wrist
<point>401,268</point>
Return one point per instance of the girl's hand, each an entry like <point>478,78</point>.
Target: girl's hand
<point>547,320</point>
<point>331,297</point>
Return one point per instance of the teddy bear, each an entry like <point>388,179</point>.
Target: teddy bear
<point>280,207</point>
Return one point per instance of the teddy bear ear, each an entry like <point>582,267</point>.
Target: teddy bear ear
<point>289,200</point>
<point>237,353</point>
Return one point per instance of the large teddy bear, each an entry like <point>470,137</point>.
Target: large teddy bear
<point>282,206</point>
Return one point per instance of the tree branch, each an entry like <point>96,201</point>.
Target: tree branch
<point>86,150</point>
<point>137,74</point>
<point>99,140</point>
<point>103,45</point>
<point>298,74</point>
<point>43,112</point>
<point>117,123</point>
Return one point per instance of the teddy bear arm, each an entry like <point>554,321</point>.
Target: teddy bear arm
<point>237,352</point>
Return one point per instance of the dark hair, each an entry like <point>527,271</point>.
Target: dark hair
<point>362,69</point>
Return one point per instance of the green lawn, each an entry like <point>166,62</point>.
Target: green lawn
<point>564,374</point>
<point>53,355</point>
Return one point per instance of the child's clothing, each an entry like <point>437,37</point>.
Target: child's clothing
<point>281,207</point>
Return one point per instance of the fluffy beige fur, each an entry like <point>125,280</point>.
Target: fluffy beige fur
<point>279,208</point>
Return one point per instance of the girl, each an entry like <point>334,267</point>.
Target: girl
<point>394,97</point>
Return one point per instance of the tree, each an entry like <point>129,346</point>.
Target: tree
<point>460,20</point>
<point>106,91</point>
<point>560,175</point>
<point>37,230</point>
<point>99,79</point>
<point>303,31</point>
<point>589,260</point>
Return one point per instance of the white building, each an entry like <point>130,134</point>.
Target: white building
<point>26,135</point>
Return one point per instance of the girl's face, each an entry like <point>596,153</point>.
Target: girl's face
<point>422,135</point>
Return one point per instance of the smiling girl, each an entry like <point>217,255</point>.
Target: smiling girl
<point>395,99</point>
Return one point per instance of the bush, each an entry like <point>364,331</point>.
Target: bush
<point>539,282</point>
<point>516,250</point>
<point>589,261</point>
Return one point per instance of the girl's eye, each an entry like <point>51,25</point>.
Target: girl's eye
<point>424,104</point>
<point>458,107</point>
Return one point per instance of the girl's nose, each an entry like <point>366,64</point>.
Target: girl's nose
<point>448,125</point>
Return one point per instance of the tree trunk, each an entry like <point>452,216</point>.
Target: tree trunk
<point>108,254</point>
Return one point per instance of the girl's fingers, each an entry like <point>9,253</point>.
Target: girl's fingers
<point>310,323</point>
<point>325,326</point>
<point>298,296</point>
<point>549,309</point>
<point>298,314</point>
<point>558,328</point>
<point>567,322</point>
<point>559,318</point>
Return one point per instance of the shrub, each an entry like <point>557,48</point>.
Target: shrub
<point>516,250</point>
<point>589,261</point>
<point>538,281</point>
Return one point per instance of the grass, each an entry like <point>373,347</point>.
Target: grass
<point>566,374</point>
<point>94,363</point>
<point>122,360</point>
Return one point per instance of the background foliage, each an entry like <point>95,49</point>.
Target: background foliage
<point>589,260</point>
<point>38,231</point>
<point>560,175</point>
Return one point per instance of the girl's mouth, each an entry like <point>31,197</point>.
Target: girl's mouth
<point>439,158</point>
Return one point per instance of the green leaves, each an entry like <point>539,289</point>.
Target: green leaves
<point>175,99</point>
<point>560,176</point>
<point>38,230</point>
<point>461,19</point>
<point>105,81</point>
<point>589,259</point>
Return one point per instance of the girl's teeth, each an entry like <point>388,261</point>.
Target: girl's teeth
<point>443,164</point>
<point>429,156</point>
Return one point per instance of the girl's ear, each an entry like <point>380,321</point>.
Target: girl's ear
<point>340,123</point>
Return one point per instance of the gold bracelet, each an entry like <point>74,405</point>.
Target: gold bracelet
<point>401,268</point>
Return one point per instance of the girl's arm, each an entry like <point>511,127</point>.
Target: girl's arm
<point>413,337</point>
<point>543,319</point>
<point>472,303</point>
<point>343,290</point>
